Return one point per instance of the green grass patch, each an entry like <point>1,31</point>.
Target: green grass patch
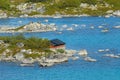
<point>34,55</point>
<point>19,28</point>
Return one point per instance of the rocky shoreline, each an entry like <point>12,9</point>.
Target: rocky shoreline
<point>28,57</point>
<point>116,14</point>
<point>27,51</point>
<point>108,14</point>
<point>50,60</point>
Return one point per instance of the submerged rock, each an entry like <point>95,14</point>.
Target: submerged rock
<point>75,58</point>
<point>103,50</point>
<point>26,64</point>
<point>105,30</point>
<point>43,64</point>
<point>112,55</point>
<point>90,59</point>
<point>83,52</point>
<point>70,29</point>
<point>117,27</point>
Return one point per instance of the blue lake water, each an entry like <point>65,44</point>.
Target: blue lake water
<point>82,37</point>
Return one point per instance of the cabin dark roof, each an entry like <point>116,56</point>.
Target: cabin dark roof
<point>56,42</point>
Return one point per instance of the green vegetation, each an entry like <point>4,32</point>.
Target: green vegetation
<point>60,50</point>
<point>4,4</point>
<point>16,2</point>
<point>115,3</point>
<point>93,2</point>
<point>21,27</point>
<point>33,13</point>
<point>1,50</point>
<point>68,3</point>
<point>37,44</point>
<point>34,56</point>
<point>61,6</point>
<point>73,7</point>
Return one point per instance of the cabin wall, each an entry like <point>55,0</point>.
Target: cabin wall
<point>57,47</point>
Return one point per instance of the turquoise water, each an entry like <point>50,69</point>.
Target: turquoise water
<point>82,37</point>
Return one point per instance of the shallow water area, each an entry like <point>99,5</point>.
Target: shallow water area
<point>81,37</point>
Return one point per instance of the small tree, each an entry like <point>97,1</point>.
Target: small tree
<point>68,3</point>
<point>60,50</point>
<point>93,2</point>
<point>4,4</point>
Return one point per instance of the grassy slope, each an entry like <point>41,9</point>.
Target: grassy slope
<point>36,44</point>
<point>70,7</point>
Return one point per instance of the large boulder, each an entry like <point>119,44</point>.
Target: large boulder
<point>3,15</point>
<point>19,56</point>
<point>116,13</point>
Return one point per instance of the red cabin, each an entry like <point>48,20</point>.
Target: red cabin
<point>57,44</point>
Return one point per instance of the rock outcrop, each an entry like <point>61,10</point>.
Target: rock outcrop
<point>31,27</point>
